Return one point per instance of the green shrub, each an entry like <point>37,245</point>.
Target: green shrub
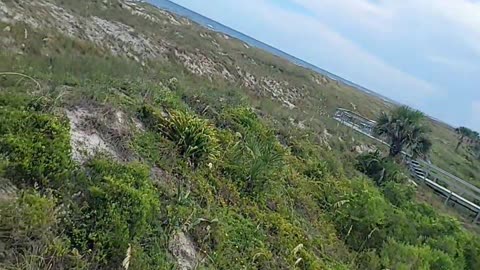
<point>240,244</point>
<point>289,243</point>
<point>14,100</point>
<point>30,235</point>
<point>471,252</point>
<point>398,194</point>
<point>315,169</point>
<point>380,169</point>
<point>36,146</point>
<point>451,245</point>
<point>118,206</point>
<point>401,256</point>
<point>430,224</point>
<point>244,120</point>
<point>155,149</point>
<point>253,161</point>
<point>195,138</point>
<point>362,215</point>
<point>241,118</point>
<point>253,156</point>
<point>150,116</point>
<point>369,260</point>
<point>29,216</point>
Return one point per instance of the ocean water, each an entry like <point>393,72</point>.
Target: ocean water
<point>213,25</point>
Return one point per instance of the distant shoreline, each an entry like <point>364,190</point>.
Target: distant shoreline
<point>213,25</point>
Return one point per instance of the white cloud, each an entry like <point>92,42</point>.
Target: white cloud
<point>463,16</point>
<point>309,38</point>
<point>458,19</point>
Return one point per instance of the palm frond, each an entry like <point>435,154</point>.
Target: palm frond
<point>404,128</point>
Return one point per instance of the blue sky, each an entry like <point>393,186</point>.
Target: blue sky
<point>423,53</point>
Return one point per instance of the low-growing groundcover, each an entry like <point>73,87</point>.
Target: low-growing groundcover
<point>245,200</point>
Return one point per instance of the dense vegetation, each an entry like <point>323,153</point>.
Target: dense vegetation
<point>195,157</point>
<point>472,137</point>
<point>255,204</point>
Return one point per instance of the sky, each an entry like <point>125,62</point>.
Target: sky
<point>422,53</point>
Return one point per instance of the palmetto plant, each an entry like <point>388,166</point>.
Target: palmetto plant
<point>404,129</point>
<point>195,137</point>
<point>254,161</point>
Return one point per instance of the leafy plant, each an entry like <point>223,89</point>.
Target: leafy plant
<point>253,161</point>
<point>37,147</point>
<point>118,206</point>
<point>30,234</point>
<point>239,243</point>
<point>241,117</point>
<point>400,256</point>
<point>195,138</point>
<point>399,194</point>
<point>380,169</point>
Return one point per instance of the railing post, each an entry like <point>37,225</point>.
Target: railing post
<point>448,197</point>
<point>427,171</point>
<point>477,217</point>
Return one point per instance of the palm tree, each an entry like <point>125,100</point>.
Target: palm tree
<point>404,128</point>
<point>463,132</point>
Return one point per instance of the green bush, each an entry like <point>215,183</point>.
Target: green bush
<point>155,149</point>
<point>254,161</point>
<point>315,169</point>
<point>195,138</point>
<point>361,215</point>
<point>118,206</point>
<point>36,146</point>
<point>245,121</point>
<point>401,256</point>
<point>241,118</point>
<point>30,235</point>
<point>398,194</point>
<point>253,158</point>
<point>14,100</point>
<point>380,169</point>
<point>471,252</point>
<point>240,244</point>
<point>451,245</point>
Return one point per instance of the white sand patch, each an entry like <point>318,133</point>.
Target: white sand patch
<point>183,249</point>
<point>85,141</point>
